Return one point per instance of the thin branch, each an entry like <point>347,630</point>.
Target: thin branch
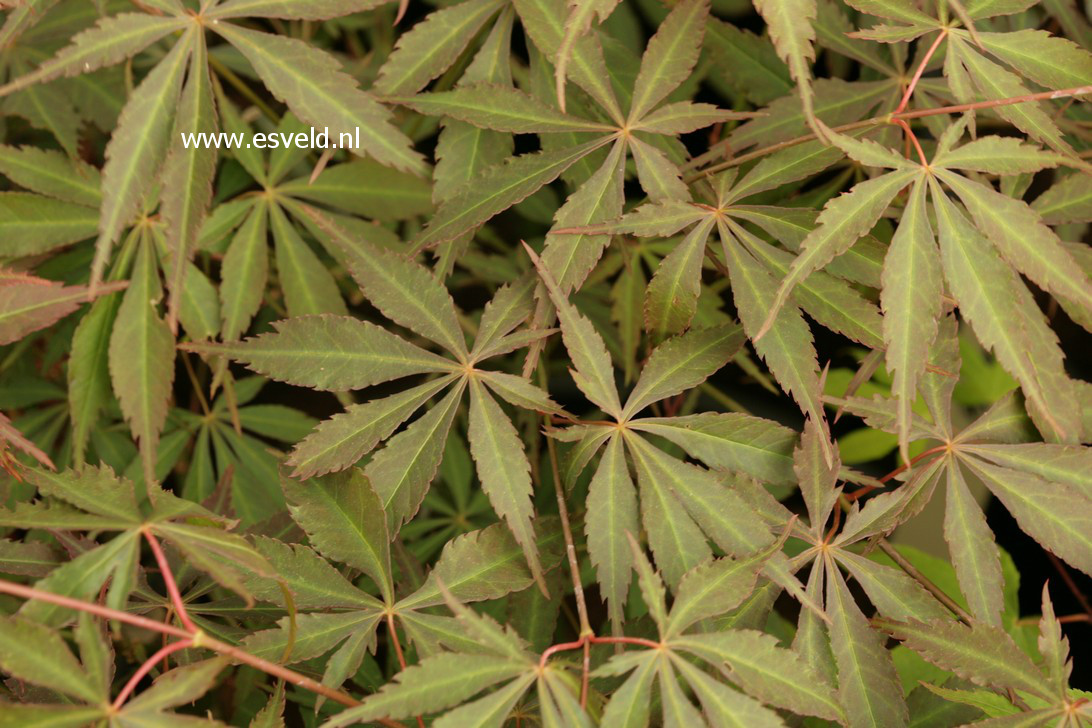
<point>879,121</point>
<point>29,592</point>
<point>922,579</point>
<point>146,668</point>
<point>1071,584</point>
<point>168,579</point>
<point>197,638</point>
<point>921,69</point>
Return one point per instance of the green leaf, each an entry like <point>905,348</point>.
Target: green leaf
<point>1053,62</point>
<point>313,581</point>
<point>787,350</point>
<point>660,178</point>
<point>1006,320</point>
<point>180,686</point>
<point>788,165</point>
<point>1054,514</point>
<point>485,564</point>
<point>345,438</point>
<point>682,363</point>
<point>33,224</point>
<point>723,706</point>
<point>613,500</point>
<point>671,299</point>
<point>502,108</point>
<point>911,301</point>
<point>994,82</point>
<point>52,174</point>
<point>328,352</point>
<point>683,117</point>
<point>344,520</point>
<point>868,686</point>
<point>497,189</point>
<point>1023,240</point>
<point>111,41</point>
<point>999,155</point>
<point>544,21</point>
<point>313,86</point>
<point>402,471</point>
<point>773,674</point>
<point>308,286</point>
<point>141,358</point>
<point>675,539</point>
<point>432,45</point>
<point>981,653</point>
<point>26,307</point>
<point>503,470</point>
<point>243,274</point>
<point>520,392</point>
<point>593,372</point>
<point>315,634</point>
<point>748,62</point>
<point>716,587</point>
<point>293,9</point>
<point>137,148</point>
<point>843,221</point>
<point>790,24</point>
<point>1069,200</point>
<point>366,188</point>
<point>570,257</point>
<point>974,554</point>
<point>37,654</point>
<point>628,705</point>
<point>669,56</point>
<point>188,175</point>
<point>731,441</point>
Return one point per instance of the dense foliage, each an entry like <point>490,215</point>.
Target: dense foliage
<point>568,398</point>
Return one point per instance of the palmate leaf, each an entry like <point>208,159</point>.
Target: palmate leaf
<point>1029,350</point>
<point>404,291</point>
<point>544,22</point>
<point>345,438</point>
<point>576,25</point>
<point>787,349</point>
<point>843,221</point>
<point>497,189</point>
<point>32,224</point>
<point>317,92</point>
<point>28,304</point>
<point>138,147</point>
<point>52,174</point>
<point>430,47</point>
<point>974,554</point>
<point>671,299</point>
<point>681,363</point>
<point>504,472</point>
<point>790,24</point>
<point>773,674</point>
<point>141,357</point>
<point>344,520</point>
<point>1010,224</point>
<point>593,372</point>
<point>983,654</point>
<point>328,352</point>
<point>571,256</point>
<point>868,686</point>
<point>613,498</point>
<point>187,175</point>
<point>669,57</point>
<point>501,108</point>
<point>292,10</point>
<point>911,301</point>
